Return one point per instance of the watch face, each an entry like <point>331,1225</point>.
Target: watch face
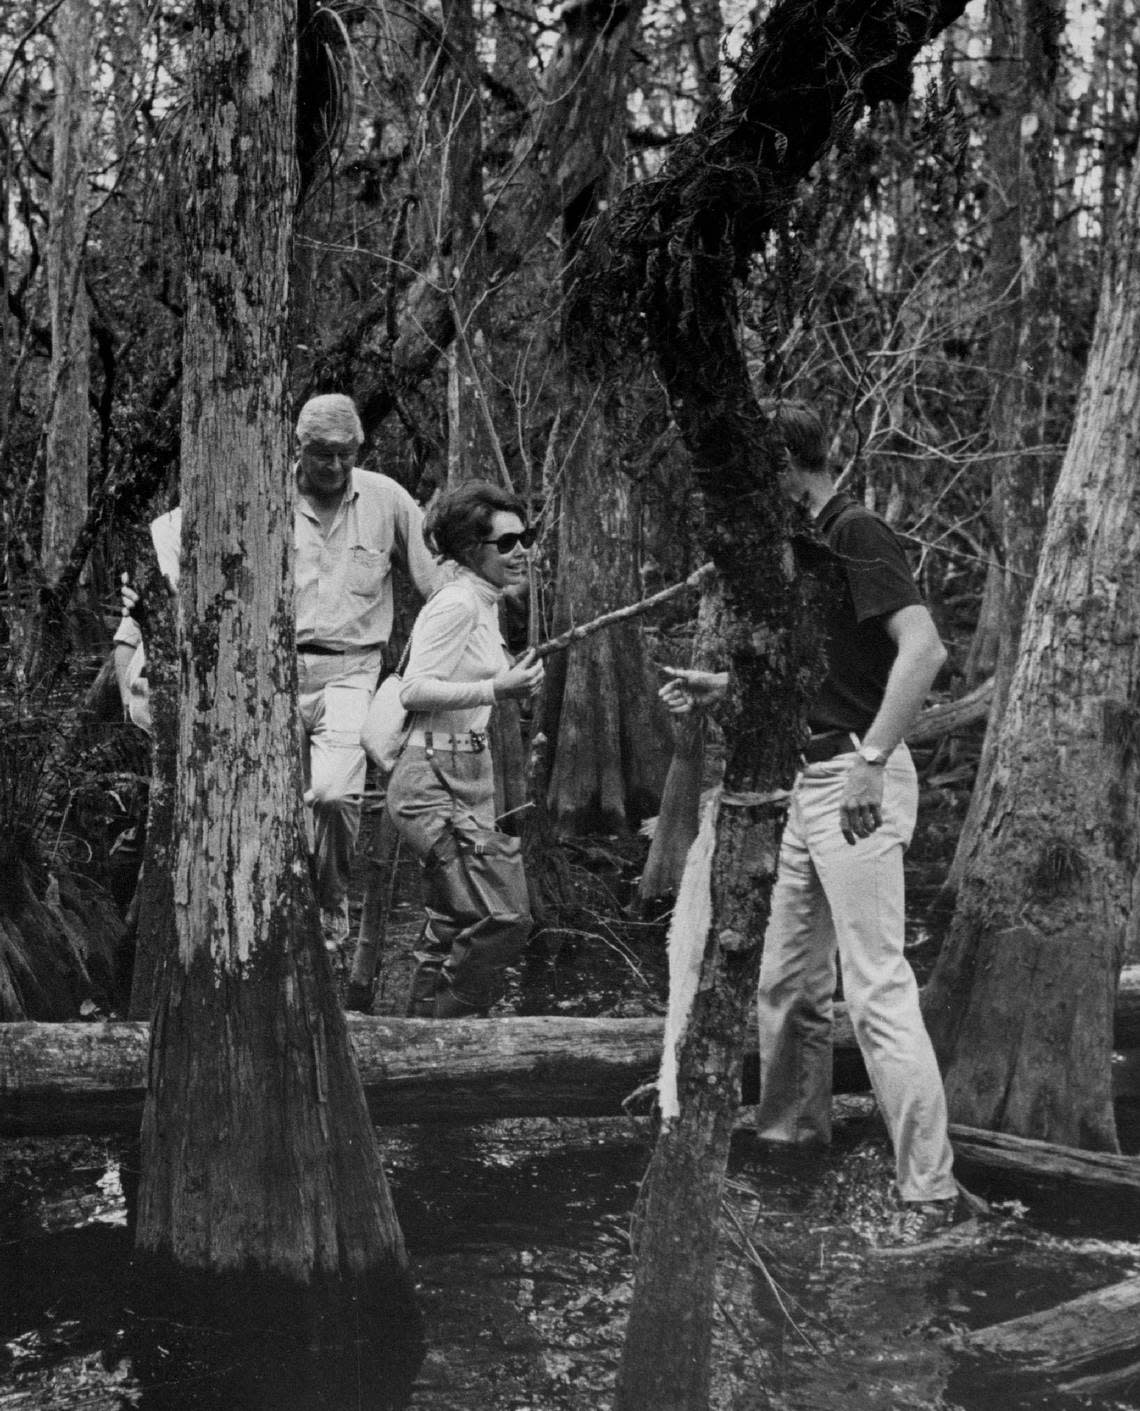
<point>873,755</point>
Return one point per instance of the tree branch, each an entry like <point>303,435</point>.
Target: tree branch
<point>638,609</point>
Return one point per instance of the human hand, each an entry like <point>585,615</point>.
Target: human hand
<point>689,688</point>
<point>130,600</point>
<point>861,804</point>
<point>523,679</point>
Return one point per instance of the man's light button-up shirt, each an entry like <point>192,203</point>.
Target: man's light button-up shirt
<point>343,580</point>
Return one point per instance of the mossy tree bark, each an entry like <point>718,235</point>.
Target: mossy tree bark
<point>680,242</point>
<point>257,1150</point>
<point>1020,1003</point>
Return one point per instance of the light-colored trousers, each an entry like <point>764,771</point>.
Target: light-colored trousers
<point>334,694</point>
<point>832,896</point>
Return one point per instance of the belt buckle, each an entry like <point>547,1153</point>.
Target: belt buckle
<point>478,741</point>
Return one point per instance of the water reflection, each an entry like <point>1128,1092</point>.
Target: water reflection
<point>82,1326</point>
<point>272,1353</point>
<point>516,1231</point>
<point>518,1237</point>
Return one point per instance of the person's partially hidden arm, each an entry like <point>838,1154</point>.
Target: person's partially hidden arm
<point>687,689</point>
<point>920,655</point>
<point>121,658</point>
<point>423,568</point>
<point>128,639</point>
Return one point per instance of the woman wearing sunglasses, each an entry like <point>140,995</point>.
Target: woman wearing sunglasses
<point>443,783</point>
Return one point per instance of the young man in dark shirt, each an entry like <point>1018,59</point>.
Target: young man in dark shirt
<point>839,888</point>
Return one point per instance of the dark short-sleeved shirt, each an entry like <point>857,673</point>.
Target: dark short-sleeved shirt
<point>877,582</point>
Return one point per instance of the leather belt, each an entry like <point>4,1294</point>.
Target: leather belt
<point>317,649</point>
<point>466,741</point>
<point>827,745</point>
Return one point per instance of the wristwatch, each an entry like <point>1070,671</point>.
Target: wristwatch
<point>871,754</point>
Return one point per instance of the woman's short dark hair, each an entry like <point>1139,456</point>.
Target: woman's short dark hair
<point>461,518</point>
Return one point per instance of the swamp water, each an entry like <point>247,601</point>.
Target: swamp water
<point>518,1237</point>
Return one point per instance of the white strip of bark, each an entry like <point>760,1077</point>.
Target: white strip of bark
<point>688,934</point>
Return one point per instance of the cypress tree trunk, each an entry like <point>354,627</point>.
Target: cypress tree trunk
<point>1020,1003</point>
<point>258,1156</point>
<point>609,733</point>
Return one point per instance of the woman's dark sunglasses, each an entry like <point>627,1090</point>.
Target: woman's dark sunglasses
<point>505,543</point>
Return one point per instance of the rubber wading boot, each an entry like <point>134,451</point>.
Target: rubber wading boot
<point>358,997</point>
<point>448,1005</point>
<point>427,978</point>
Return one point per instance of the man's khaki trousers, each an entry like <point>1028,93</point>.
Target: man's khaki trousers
<point>831,896</point>
<point>334,694</point>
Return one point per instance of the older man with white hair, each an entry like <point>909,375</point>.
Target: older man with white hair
<point>349,526</point>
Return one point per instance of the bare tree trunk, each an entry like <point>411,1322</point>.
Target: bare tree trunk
<point>704,26</point>
<point>982,655</point>
<point>473,449</point>
<point>5,280</point>
<point>1020,1003</point>
<point>462,247</point>
<point>1023,280</point>
<point>258,1155</point>
<point>609,733</point>
<point>65,476</point>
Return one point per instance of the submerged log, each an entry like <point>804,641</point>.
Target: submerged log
<point>1066,1338</point>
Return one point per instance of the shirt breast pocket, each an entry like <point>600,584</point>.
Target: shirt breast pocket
<point>367,569</point>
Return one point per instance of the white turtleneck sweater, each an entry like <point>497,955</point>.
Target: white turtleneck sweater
<point>457,651</point>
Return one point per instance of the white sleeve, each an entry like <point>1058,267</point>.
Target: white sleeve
<point>408,527</point>
<point>438,642</point>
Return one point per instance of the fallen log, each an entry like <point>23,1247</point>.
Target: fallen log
<point>1099,1383</point>
<point>90,1078</point>
<point>65,1078</point>
<point>1065,1339</point>
<point>1042,1163</point>
<point>947,716</point>
<point>70,1078</point>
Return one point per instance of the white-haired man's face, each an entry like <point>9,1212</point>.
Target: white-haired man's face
<point>326,465</point>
